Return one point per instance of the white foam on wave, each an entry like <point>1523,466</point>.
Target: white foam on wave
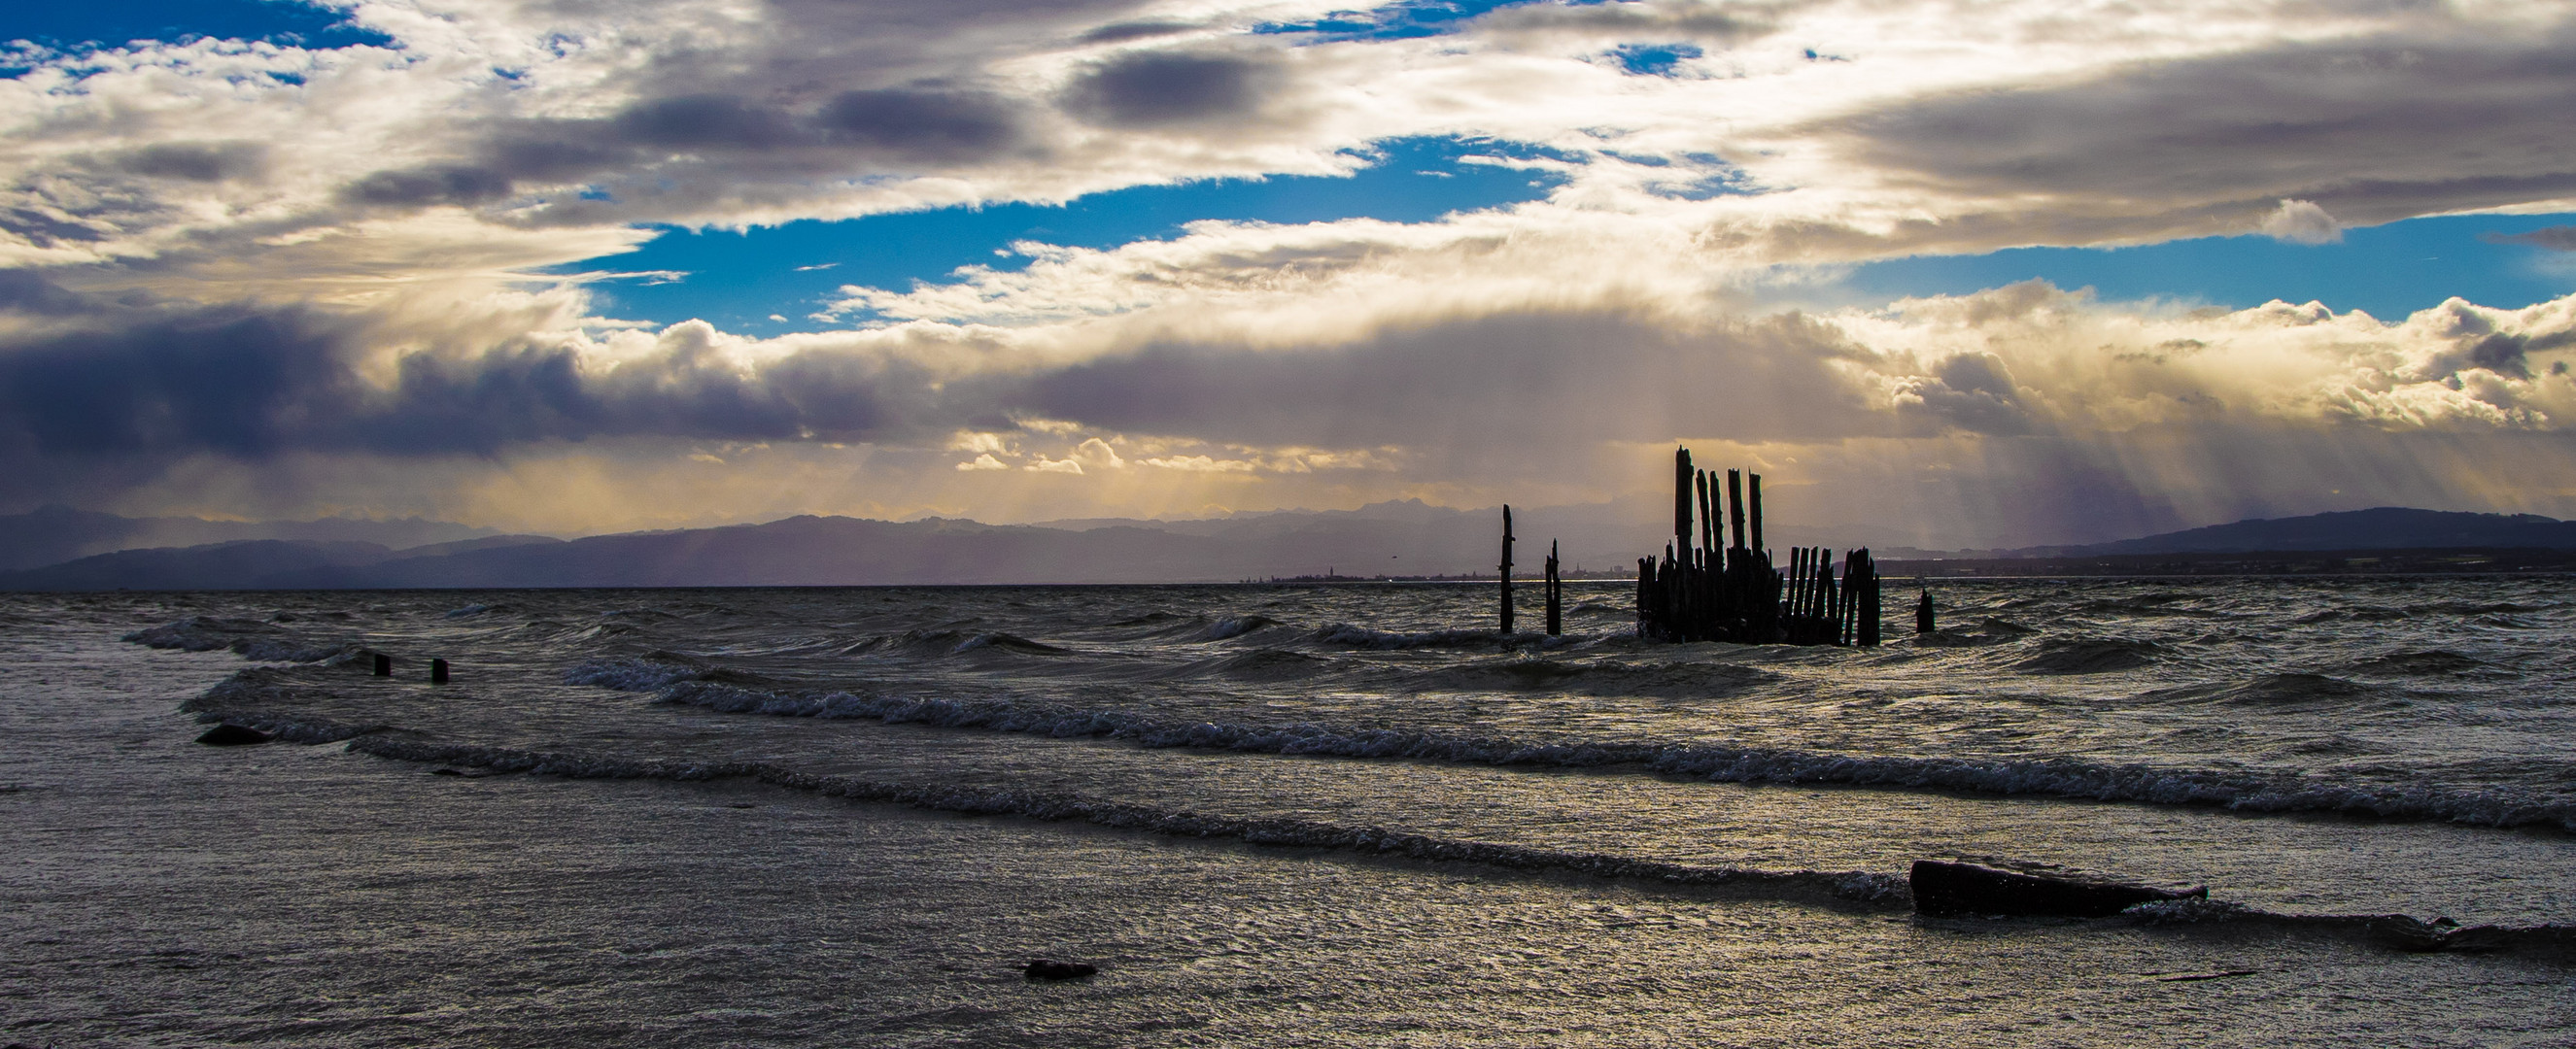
<point>1849,887</point>
<point>2046,777</point>
<point>253,640</point>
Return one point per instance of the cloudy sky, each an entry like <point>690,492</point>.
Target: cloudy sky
<point>2002,272</point>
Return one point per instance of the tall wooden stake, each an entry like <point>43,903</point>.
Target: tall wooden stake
<point>1555,594</point>
<point>1735,505</point>
<point>1757,512</point>
<point>1682,499</point>
<point>1507,567</point>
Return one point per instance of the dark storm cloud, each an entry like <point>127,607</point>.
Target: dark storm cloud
<point>25,291</point>
<point>224,380</point>
<point>426,186</point>
<point>1971,392</point>
<point>708,121</point>
<point>193,161</point>
<point>251,383</point>
<point>2554,238</point>
<point>1501,381</point>
<point>930,125</point>
<point>1117,32</point>
<point>2373,130</point>
<point>1155,89</point>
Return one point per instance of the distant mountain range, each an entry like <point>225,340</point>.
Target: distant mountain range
<point>1402,538</point>
<point>54,534</point>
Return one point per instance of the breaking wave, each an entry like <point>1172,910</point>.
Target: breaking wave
<point>1858,887</point>
<point>250,639</point>
<point>2089,656</point>
<point>2244,791</point>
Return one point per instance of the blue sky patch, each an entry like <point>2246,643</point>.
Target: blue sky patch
<point>1403,20</point>
<point>1653,59</point>
<point>738,280</point>
<point>2387,271</point>
<point>77,27</point>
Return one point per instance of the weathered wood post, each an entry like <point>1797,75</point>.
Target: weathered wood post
<point>1756,488</point>
<point>384,665</point>
<point>1708,526</point>
<point>1735,505</point>
<point>1923,615</point>
<point>1555,594</point>
<point>1682,500</point>
<point>1507,568</point>
<point>1869,609</point>
<point>438,671</point>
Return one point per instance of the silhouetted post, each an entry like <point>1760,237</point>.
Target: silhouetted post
<point>384,665</point>
<point>1507,568</point>
<point>1869,630</point>
<point>1923,614</point>
<point>1682,499</point>
<point>438,671</point>
<point>1735,505</point>
<point>1708,538</point>
<point>1555,594</point>
<point>1756,488</point>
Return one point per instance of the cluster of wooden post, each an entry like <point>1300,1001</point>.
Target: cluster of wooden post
<point>1555,583</point>
<point>1716,582</point>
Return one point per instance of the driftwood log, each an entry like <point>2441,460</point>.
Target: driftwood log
<point>1943,889</point>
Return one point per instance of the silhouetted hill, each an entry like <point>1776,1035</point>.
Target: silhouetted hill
<point>2383,528</point>
<point>55,534</point>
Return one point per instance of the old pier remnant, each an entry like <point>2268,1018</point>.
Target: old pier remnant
<point>1721,585</point>
<point>1555,594</point>
<point>1506,570</point>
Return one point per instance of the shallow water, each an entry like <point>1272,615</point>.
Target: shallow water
<point>1275,814</point>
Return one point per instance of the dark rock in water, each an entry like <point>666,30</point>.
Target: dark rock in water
<point>1042,969</point>
<point>229,735</point>
<point>1944,889</point>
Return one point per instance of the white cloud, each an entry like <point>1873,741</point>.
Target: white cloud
<point>2302,222</point>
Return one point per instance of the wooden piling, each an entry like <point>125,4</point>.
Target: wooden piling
<point>1735,506</point>
<point>1756,488</point>
<point>384,665</point>
<point>1555,594</point>
<point>438,671</point>
<point>1507,567</point>
<point>1923,615</point>
<point>1708,526</point>
<point>1682,497</point>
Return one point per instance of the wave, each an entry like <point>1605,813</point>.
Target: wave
<point>1595,677</point>
<point>1350,636</point>
<point>1884,891</point>
<point>2243,791</point>
<point>1864,890</point>
<point>2435,662</point>
<point>2085,655</point>
<point>941,643</point>
<point>2272,690</point>
<point>250,639</point>
<point>1235,626</point>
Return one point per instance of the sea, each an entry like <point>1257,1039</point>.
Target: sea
<point>1282,815</point>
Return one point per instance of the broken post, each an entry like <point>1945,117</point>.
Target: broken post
<point>384,665</point>
<point>1682,498</point>
<point>1923,614</point>
<point>1756,492</point>
<point>1555,594</point>
<point>438,671</point>
<point>1507,567</point>
<point>1735,506</point>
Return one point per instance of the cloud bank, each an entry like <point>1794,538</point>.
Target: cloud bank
<point>244,277</point>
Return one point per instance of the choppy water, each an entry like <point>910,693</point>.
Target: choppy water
<point>1330,814</point>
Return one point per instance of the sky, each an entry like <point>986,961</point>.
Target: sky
<point>1988,274</point>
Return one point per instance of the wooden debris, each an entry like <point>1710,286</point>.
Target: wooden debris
<point>1718,583</point>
